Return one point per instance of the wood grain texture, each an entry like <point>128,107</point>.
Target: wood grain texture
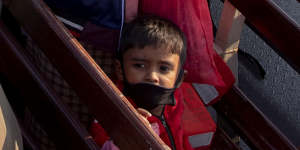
<point>275,26</point>
<point>222,142</point>
<point>81,72</point>
<point>65,130</point>
<point>251,123</point>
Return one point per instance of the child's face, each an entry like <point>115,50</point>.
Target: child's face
<point>151,65</point>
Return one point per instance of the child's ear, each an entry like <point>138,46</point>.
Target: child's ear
<point>119,70</point>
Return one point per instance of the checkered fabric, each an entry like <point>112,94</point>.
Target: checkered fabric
<point>58,84</point>
<point>103,58</point>
<point>66,93</point>
<point>39,135</point>
<point>61,87</point>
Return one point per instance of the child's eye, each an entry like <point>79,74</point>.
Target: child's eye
<point>139,66</point>
<point>164,69</point>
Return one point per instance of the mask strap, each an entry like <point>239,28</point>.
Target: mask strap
<point>179,79</point>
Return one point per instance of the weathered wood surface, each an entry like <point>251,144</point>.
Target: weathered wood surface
<point>222,142</point>
<point>28,142</point>
<point>275,26</point>
<point>66,131</point>
<point>64,47</point>
<point>105,101</point>
<point>282,33</point>
<point>251,123</point>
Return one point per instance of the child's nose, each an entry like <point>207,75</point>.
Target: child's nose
<point>152,77</point>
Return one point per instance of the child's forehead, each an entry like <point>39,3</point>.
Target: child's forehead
<point>159,48</point>
<point>151,53</point>
<point>151,49</point>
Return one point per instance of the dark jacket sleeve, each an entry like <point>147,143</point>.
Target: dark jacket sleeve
<point>107,13</point>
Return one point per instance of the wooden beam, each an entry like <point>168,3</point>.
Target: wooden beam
<point>66,131</point>
<point>28,142</point>
<point>275,26</point>
<point>222,141</point>
<point>93,87</point>
<point>1,3</point>
<point>251,123</point>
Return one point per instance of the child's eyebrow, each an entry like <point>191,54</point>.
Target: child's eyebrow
<point>167,63</point>
<point>138,59</point>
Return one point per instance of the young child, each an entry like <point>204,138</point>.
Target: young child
<point>150,66</point>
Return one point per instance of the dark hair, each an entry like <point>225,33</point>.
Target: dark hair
<point>153,31</point>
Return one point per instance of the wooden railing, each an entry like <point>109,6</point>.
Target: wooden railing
<point>81,72</point>
<point>282,33</point>
<point>91,84</point>
<point>59,122</point>
<point>258,131</point>
<point>275,26</point>
<point>45,104</point>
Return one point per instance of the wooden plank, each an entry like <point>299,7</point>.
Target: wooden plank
<point>102,97</point>
<point>1,3</point>
<point>66,131</point>
<point>275,26</point>
<point>251,123</point>
<point>222,141</point>
<point>28,142</point>
<point>228,36</point>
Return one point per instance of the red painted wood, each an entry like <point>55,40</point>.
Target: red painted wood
<point>275,26</point>
<point>251,122</point>
<point>222,142</point>
<point>66,131</point>
<point>84,77</point>
<point>28,142</point>
<point>102,97</point>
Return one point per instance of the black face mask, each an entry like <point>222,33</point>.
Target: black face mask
<point>149,96</point>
